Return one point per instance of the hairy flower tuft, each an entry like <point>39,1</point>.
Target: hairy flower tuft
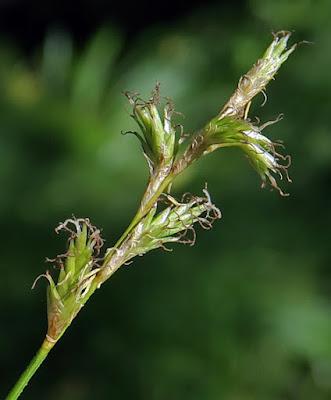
<point>78,268</point>
<point>258,77</point>
<point>174,223</point>
<point>158,137</point>
<point>261,151</point>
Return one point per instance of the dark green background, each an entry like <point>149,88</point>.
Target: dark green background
<point>243,315</point>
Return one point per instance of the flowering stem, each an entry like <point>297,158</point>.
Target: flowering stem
<point>30,370</point>
<point>80,272</point>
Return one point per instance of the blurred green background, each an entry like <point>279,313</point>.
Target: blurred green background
<point>243,315</point>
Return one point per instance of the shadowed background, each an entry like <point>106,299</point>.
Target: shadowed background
<point>243,315</point>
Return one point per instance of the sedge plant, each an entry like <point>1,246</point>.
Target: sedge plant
<point>160,218</point>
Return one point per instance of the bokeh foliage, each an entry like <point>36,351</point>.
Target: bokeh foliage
<point>246,313</point>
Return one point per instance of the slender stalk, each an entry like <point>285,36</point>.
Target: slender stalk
<point>30,370</point>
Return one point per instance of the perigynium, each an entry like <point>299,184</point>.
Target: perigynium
<point>161,219</point>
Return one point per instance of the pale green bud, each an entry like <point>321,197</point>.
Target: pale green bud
<point>261,151</point>
<point>173,223</point>
<point>78,269</point>
<point>258,77</point>
<point>158,133</point>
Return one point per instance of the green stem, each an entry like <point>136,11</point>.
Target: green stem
<point>141,213</point>
<point>30,370</point>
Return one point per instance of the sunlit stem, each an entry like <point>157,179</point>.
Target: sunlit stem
<point>30,370</point>
<point>148,201</point>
